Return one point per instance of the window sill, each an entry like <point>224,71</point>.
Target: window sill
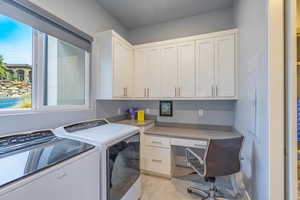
<point>10,112</point>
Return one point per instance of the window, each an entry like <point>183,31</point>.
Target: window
<point>15,64</point>
<point>44,62</point>
<point>65,69</point>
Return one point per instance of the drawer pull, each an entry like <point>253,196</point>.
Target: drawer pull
<point>155,160</point>
<point>155,142</point>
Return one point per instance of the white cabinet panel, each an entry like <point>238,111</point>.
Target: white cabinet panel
<point>123,69</point>
<point>205,68</point>
<point>169,71</point>
<point>152,76</point>
<point>140,71</point>
<point>225,66</point>
<point>186,69</point>
<point>113,58</point>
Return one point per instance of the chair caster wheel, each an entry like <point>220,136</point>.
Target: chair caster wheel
<point>189,191</point>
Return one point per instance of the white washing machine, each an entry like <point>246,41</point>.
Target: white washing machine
<point>119,146</point>
<point>39,165</point>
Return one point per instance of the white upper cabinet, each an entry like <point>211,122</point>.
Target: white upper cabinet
<point>152,76</point>
<point>205,68</point>
<point>216,67</point>
<point>197,67</point>
<point>169,71</point>
<point>140,69</point>
<point>113,57</point>
<point>147,73</point>
<point>186,70</point>
<point>123,69</point>
<point>225,70</point>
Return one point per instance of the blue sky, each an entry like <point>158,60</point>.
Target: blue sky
<point>15,41</point>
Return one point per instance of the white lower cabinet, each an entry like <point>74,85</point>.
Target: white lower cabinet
<point>157,160</point>
<point>156,155</point>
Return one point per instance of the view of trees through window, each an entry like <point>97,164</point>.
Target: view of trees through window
<point>15,64</point>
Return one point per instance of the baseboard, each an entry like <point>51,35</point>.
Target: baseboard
<point>247,196</point>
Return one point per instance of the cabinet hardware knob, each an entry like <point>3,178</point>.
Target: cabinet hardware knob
<point>155,160</point>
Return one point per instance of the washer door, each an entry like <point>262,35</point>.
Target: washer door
<point>123,165</point>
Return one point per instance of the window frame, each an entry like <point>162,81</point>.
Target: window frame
<point>38,82</point>
<point>41,82</point>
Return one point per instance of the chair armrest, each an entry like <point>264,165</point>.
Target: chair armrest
<point>188,150</point>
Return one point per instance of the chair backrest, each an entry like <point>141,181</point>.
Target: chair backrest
<point>223,157</point>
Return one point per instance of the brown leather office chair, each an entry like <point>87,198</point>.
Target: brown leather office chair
<point>220,158</point>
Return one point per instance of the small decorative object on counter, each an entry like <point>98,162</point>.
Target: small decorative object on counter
<point>141,115</point>
<point>132,113</point>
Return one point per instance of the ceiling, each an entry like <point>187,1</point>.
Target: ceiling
<point>136,13</point>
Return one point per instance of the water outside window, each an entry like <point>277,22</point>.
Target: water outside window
<point>15,64</point>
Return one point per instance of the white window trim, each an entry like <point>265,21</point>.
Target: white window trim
<point>38,74</point>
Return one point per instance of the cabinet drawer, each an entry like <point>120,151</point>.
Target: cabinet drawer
<point>189,143</point>
<point>157,160</point>
<point>157,141</point>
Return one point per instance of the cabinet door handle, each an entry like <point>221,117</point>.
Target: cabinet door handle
<point>156,142</point>
<point>145,93</point>
<point>212,91</point>
<point>155,160</point>
<point>126,93</point>
<point>175,92</point>
<point>148,92</point>
<point>216,90</point>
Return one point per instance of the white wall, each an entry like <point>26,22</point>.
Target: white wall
<point>88,16</point>
<point>208,22</point>
<point>251,20</point>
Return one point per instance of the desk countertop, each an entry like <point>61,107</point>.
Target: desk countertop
<point>192,133</point>
<point>135,122</point>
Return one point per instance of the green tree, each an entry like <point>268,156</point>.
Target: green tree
<point>3,72</point>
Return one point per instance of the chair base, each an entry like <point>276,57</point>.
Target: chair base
<point>206,194</point>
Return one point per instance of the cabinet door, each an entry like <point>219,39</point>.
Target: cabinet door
<point>205,68</point>
<point>140,71</point>
<point>129,73</point>
<point>152,76</point>
<point>169,71</point>
<point>225,70</point>
<point>186,67</point>
<point>122,69</point>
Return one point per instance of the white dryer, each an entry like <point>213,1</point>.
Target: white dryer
<point>119,146</point>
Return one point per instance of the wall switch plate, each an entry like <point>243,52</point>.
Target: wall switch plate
<point>201,113</point>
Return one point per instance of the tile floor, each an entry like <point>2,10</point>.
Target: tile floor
<point>155,188</point>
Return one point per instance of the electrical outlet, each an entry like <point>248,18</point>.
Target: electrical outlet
<point>147,110</point>
<point>201,113</point>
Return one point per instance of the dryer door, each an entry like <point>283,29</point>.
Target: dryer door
<point>123,166</point>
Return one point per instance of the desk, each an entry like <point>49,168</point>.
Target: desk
<point>157,155</point>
